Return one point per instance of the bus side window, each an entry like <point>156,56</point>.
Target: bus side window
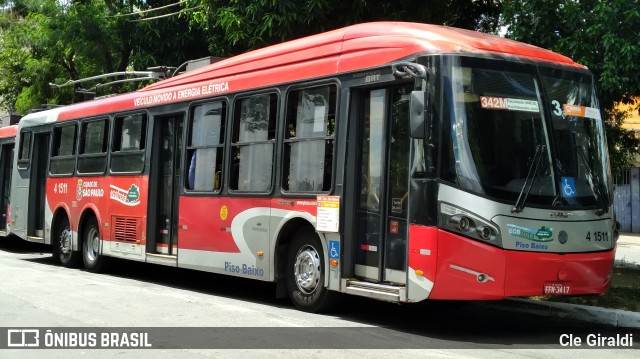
<point>253,143</point>
<point>128,143</point>
<point>92,153</point>
<point>205,147</point>
<point>63,155</point>
<point>309,139</point>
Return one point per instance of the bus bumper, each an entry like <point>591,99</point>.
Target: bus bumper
<point>471,270</point>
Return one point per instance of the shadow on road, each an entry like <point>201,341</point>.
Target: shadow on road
<point>461,322</point>
<point>14,244</point>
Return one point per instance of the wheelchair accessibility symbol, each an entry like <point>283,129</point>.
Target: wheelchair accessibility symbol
<point>334,250</point>
<point>568,187</point>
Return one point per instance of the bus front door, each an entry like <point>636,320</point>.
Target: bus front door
<point>382,174</point>
<point>164,185</point>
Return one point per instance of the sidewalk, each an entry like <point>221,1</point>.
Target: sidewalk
<point>627,256</point>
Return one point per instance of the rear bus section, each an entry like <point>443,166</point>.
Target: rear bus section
<point>7,146</point>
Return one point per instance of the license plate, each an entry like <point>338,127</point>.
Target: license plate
<point>557,288</point>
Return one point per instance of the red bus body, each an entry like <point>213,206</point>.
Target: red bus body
<point>246,235</point>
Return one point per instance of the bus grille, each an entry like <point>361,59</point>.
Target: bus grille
<point>125,229</point>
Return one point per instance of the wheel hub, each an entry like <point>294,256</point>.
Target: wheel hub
<point>307,269</point>
<point>93,244</point>
<point>65,241</point>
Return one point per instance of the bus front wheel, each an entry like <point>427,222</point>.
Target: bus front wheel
<point>305,273</point>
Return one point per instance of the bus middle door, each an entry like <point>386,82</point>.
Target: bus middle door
<point>164,185</point>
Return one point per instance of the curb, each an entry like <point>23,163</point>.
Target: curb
<point>612,317</point>
<point>622,263</point>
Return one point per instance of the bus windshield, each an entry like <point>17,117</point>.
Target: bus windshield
<point>518,128</point>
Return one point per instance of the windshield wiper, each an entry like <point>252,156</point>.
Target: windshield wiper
<point>593,183</point>
<point>531,175</point>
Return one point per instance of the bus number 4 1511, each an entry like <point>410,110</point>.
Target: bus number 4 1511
<point>598,236</point>
<point>60,188</point>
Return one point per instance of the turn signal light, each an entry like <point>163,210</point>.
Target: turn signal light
<point>333,262</point>
<point>419,273</point>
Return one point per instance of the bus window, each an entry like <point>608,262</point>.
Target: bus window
<point>92,154</point>
<point>25,150</point>
<point>205,146</point>
<point>128,143</point>
<point>63,151</point>
<point>253,139</point>
<point>309,139</point>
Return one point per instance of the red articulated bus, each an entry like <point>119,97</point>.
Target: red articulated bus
<point>397,161</point>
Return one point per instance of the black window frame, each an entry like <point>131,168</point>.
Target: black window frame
<point>288,140</point>
<point>116,153</point>
<point>23,163</point>
<point>104,155</point>
<point>236,144</point>
<point>56,143</point>
<point>220,147</point>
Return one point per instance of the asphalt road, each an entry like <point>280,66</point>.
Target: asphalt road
<point>219,316</point>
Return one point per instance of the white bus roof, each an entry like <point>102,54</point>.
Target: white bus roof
<point>39,118</point>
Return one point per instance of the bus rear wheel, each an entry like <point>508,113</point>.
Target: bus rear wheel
<point>93,260</point>
<point>63,245</point>
<point>305,273</point>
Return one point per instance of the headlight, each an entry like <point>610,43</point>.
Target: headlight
<point>468,224</point>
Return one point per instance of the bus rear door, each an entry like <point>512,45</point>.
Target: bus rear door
<point>164,188</point>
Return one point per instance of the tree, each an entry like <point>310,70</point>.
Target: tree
<point>53,41</point>
<point>600,34</point>
<point>235,26</point>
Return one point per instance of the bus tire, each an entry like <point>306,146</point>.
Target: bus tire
<point>305,273</point>
<point>63,245</point>
<point>93,260</point>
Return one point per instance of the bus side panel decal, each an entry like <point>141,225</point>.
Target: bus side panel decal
<point>225,236</point>
<point>219,224</point>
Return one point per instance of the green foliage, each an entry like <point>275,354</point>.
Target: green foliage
<point>623,144</point>
<point>600,34</point>
<point>52,41</point>
<point>235,26</point>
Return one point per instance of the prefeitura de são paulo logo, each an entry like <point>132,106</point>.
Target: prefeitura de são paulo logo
<point>79,190</point>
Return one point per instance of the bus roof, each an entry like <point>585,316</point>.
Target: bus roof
<point>351,48</point>
<point>37,118</point>
<point>8,131</point>
<point>363,41</point>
